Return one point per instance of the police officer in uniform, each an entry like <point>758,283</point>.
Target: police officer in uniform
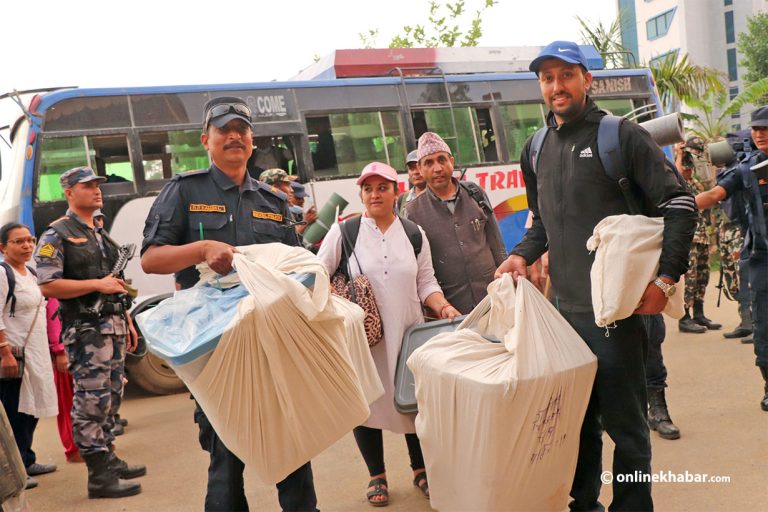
<point>199,217</point>
<point>75,259</point>
<point>749,178</point>
<point>697,276</point>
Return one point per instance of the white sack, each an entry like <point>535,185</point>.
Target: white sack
<point>627,259</point>
<point>280,386</point>
<point>499,423</point>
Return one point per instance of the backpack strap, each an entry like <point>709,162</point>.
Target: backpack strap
<point>414,235</point>
<point>609,152</point>
<point>536,145</point>
<point>477,194</point>
<point>10,296</point>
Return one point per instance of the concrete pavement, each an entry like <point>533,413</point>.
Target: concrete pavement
<point>713,396</point>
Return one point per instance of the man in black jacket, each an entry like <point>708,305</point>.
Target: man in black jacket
<point>568,194</point>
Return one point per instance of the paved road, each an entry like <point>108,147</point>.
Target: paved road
<point>713,396</point>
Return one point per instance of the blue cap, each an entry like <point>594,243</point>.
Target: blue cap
<point>759,117</point>
<point>298,189</point>
<point>567,51</point>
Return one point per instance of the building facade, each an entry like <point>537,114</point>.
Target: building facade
<point>706,30</point>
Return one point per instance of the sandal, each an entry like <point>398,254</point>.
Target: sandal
<point>379,489</point>
<point>420,481</point>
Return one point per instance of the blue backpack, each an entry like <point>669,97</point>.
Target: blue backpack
<point>611,158</point>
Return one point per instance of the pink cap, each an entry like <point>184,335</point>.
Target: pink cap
<point>431,143</point>
<point>377,169</point>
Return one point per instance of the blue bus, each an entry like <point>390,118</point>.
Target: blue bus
<point>323,130</point>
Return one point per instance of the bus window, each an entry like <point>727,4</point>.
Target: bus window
<point>167,153</point>
<point>616,107</point>
<point>342,144</point>
<point>466,144</point>
<point>520,122</point>
<point>107,155</point>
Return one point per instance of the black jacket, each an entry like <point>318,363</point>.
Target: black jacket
<point>571,193</point>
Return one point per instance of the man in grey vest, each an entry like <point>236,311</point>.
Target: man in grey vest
<point>460,225</point>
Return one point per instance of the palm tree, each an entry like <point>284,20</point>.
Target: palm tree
<point>679,81</point>
<point>711,127</point>
<point>606,40</point>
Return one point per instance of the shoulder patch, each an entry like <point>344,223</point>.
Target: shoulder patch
<point>187,174</point>
<point>47,250</point>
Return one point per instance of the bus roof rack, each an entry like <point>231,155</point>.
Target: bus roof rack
<point>375,62</point>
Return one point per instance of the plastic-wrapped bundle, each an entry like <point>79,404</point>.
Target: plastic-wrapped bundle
<point>499,423</point>
<point>283,382</point>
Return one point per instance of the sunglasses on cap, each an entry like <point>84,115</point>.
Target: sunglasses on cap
<point>225,108</point>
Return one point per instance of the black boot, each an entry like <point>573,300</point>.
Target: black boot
<point>120,420</point>
<point>699,318</point>
<point>764,402</point>
<point>104,483</point>
<point>118,429</point>
<point>685,324</point>
<point>658,416</point>
<point>122,468</point>
<point>745,327</point>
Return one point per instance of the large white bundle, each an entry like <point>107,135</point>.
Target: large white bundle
<point>280,387</point>
<point>627,259</point>
<point>499,423</point>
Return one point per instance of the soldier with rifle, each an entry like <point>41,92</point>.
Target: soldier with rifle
<point>79,264</point>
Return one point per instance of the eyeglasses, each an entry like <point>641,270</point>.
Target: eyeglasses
<point>19,241</point>
<point>226,108</point>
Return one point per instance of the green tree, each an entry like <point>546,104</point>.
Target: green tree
<point>680,81</point>
<point>753,46</point>
<point>444,27</point>
<point>712,127</point>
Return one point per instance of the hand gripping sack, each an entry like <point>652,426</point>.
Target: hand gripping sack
<point>627,248</point>
<point>499,423</point>
<point>280,386</point>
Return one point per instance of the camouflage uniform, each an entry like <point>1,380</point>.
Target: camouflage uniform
<point>730,243</point>
<point>697,277</point>
<point>96,351</point>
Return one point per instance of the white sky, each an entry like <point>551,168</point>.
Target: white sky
<point>110,43</point>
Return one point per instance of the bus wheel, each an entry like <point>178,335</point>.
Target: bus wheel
<point>153,375</point>
<point>145,369</point>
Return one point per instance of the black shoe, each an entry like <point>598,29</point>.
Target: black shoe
<point>658,415</point>
<point>687,325</point>
<point>31,483</point>
<point>123,470</point>
<point>748,341</point>
<point>699,318</point>
<point>764,401</point>
<point>118,429</point>
<point>103,482</point>
<point>40,469</point>
<point>120,420</point>
<point>738,332</point>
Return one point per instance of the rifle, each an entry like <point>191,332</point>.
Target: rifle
<point>124,254</point>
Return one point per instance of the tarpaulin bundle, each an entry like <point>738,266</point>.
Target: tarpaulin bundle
<point>499,423</point>
<point>289,375</point>
<point>627,259</point>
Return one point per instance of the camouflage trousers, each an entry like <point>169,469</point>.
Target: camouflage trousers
<point>697,277</point>
<point>96,362</point>
<point>730,246</point>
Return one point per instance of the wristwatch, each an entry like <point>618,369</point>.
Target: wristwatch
<point>668,289</point>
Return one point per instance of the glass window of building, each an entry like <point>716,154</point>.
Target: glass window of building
<point>658,26</point>
<point>733,70</point>
<point>730,34</point>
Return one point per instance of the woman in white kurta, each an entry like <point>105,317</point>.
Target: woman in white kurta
<point>401,283</point>
<point>32,394</point>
